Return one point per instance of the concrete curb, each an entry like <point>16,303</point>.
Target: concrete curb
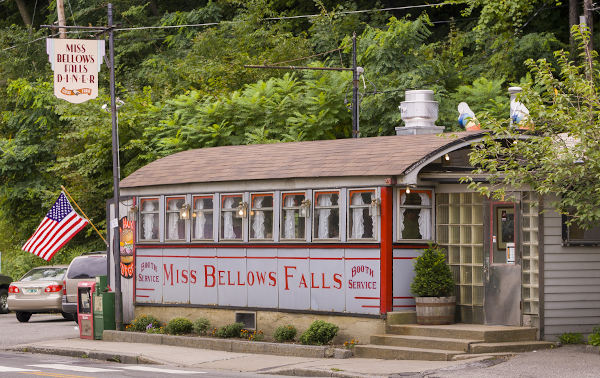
<point>81,353</point>
<point>229,345</point>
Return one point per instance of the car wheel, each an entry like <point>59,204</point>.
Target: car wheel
<point>23,317</point>
<point>68,316</point>
<point>3,301</point>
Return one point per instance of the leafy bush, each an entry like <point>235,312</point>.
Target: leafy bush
<point>252,335</point>
<point>230,330</point>
<point>201,326</point>
<point>285,333</point>
<point>141,323</point>
<point>319,333</point>
<point>594,337</point>
<point>433,277</point>
<point>179,326</point>
<point>571,338</point>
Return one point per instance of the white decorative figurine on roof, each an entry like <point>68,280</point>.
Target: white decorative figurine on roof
<point>519,114</point>
<point>466,118</point>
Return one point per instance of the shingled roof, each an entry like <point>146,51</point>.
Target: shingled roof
<point>379,156</point>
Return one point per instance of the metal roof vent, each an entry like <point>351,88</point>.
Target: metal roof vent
<point>419,112</point>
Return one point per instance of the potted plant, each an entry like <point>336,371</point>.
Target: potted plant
<point>433,288</point>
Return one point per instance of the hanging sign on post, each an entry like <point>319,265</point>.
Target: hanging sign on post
<point>76,63</point>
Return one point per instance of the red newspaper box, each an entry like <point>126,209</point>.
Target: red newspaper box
<point>85,317</point>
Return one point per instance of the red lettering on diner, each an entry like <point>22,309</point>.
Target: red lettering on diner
<point>285,268</point>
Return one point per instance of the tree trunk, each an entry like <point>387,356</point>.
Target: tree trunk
<point>573,20</point>
<point>24,13</point>
<point>154,8</point>
<point>589,19</point>
<point>60,10</point>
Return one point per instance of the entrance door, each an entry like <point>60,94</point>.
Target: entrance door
<point>502,269</point>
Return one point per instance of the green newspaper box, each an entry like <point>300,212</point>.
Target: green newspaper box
<point>104,308</point>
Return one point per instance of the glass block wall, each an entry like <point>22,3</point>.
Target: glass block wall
<point>459,222</point>
<point>530,270</point>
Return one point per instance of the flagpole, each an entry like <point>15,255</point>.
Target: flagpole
<point>86,217</point>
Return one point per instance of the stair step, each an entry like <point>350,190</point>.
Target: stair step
<point>423,342</point>
<point>403,353</point>
<point>516,346</point>
<point>488,334</point>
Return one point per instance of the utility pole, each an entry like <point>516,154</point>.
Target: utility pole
<point>60,10</point>
<point>573,17</point>
<point>354,89</point>
<point>588,9</point>
<point>115,156</point>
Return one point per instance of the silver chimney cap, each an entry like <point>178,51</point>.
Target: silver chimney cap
<point>419,112</point>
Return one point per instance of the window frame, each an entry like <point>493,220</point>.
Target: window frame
<point>349,207</point>
<point>431,208</point>
<point>193,216</point>
<point>251,209</point>
<point>141,213</point>
<point>166,220</point>
<point>282,217</point>
<point>222,211</point>
<point>315,207</point>
<point>566,237</point>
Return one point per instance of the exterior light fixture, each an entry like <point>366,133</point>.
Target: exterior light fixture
<point>242,210</point>
<point>184,212</point>
<point>374,208</point>
<point>132,213</point>
<point>446,157</point>
<point>407,189</point>
<point>305,209</point>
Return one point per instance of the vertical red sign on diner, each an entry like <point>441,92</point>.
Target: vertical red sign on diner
<point>386,261</point>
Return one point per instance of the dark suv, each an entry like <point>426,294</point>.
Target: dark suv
<point>83,268</point>
<point>4,284</point>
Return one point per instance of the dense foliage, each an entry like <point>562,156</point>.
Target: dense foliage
<point>319,333</point>
<point>433,277</point>
<point>185,86</point>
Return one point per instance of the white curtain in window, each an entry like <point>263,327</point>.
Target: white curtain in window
<point>323,231</point>
<point>200,220</point>
<point>148,220</point>
<point>401,215</point>
<point>228,232</point>
<point>425,217</point>
<point>173,231</point>
<point>258,224</point>
<point>289,229</point>
<point>358,224</point>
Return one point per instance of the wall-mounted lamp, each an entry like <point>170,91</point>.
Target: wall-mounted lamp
<point>305,209</point>
<point>407,189</point>
<point>446,157</point>
<point>374,208</point>
<point>184,212</point>
<point>242,210</point>
<point>132,213</point>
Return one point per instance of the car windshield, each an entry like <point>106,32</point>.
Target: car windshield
<point>87,267</point>
<point>44,274</point>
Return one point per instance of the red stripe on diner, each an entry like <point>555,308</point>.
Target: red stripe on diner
<point>405,258</point>
<point>148,255</point>
<point>142,296</point>
<point>366,297</point>
<point>326,258</point>
<point>143,288</point>
<point>264,257</point>
<point>403,297</point>
<point>409,246</point>
<point>366,306</point>
<point>202,257</point>
<point>404,306</point>
<point>274,245</point>
<point>362,258</point>
<point>292,258</point>
<point>261,257</point>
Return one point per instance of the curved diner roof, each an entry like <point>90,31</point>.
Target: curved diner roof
<point>378,156</point>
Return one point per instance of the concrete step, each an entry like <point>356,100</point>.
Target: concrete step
<point>516,347</point>
<point>461,345</point>
<point>490,334</point>
<point>401,317</point>
<point>403,353</point>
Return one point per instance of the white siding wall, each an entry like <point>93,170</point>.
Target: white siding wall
<point>571,282</point>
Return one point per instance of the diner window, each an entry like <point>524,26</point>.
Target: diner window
<point>414,217</point>
<point>175,224</point>
<point>361,217</point>
<point>149,219</point>
<point>231,219</point>
<point>294,225</point>
<point>327,215</point>
<point>574,234</point>
<point>202,218</point>
<point>261,217</point>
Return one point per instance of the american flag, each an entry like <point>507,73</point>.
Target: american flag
<point>58,227</point>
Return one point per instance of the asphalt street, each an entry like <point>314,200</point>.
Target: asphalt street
<point>40,327</point>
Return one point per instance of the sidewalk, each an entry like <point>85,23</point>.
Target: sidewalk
<point>238,362</point>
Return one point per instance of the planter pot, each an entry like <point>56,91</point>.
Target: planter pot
<point>435,310</point>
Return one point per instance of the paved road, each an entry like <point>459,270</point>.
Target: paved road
<point>40,327</point>
<point>20,365</point>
